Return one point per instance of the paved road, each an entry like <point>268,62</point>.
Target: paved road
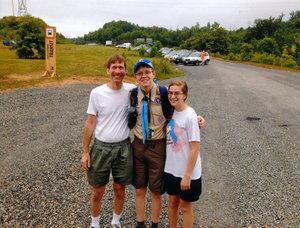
<point>250,146</point>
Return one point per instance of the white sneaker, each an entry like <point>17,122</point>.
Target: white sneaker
<point>116,225</point>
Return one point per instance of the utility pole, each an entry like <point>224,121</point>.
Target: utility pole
<point>13,8</point>
<point>22,8</point>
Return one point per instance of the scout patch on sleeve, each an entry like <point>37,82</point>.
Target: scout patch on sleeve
<point>160,119</point>
<point>158,100</point>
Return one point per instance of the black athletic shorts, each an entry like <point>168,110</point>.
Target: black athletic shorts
<point>172,187</point>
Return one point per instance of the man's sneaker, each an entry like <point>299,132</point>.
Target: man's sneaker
<point>116,225</point>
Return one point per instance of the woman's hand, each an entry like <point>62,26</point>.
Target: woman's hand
<point>185,183</point>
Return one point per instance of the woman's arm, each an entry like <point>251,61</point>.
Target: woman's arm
<point>186,180</point>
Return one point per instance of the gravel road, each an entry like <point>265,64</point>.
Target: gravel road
<point>249,147</point>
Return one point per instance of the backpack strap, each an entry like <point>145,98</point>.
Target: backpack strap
<point>131,113</point>
<point>167,108</point>
<point>133,96</point>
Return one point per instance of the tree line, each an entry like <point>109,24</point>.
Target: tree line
<point>270,41</point>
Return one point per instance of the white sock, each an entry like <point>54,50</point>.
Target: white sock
<point>116,218</point>
<point>95,221</point>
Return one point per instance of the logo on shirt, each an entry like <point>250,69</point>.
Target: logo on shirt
<point>175,131</point>
<point>158,100</point>
<point>160,119</point>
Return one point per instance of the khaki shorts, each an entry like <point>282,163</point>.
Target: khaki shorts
<point>116,157</point>
<point>149,163</point>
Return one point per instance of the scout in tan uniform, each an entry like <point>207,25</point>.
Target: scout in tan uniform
<point>150,155</point>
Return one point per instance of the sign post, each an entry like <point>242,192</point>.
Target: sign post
<point>50,49</point>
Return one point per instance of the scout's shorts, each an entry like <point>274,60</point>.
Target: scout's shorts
<point>149,163</point>
<point>114,157</point>
<point>172,185</point>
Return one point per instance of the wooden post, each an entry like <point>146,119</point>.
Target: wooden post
<point>50,49</point>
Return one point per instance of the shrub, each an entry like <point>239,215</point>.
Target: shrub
<point>154,52</point>
<point>287,61</point>
<point>290,63</point>
<point>142,52</point>
<point>163,67</point>
<point>238,57</point>
<point>270,59</point>
<point>231,56</point>
<point>31,38</point>
<point>256,57</point>
<point>218,55</point>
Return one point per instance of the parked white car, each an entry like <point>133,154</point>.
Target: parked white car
<point>195,59</point>
<point>125,45</point>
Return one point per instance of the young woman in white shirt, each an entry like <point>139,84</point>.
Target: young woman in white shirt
<point>183,162</point>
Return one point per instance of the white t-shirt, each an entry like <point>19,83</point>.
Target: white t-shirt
<point>182,129</point>
<point>109,106</point>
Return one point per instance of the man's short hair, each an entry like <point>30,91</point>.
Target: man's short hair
<point>116,58</point>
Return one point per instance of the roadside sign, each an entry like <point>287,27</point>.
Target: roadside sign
<point>50,49</point>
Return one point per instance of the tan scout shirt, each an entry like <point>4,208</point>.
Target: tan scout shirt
<point>157,119</point>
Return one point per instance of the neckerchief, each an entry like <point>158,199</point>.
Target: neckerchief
<point>145,115</point>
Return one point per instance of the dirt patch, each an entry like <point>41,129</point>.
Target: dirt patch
<point>52,81</point>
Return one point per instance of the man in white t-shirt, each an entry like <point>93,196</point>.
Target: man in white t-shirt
<point>112,150</point>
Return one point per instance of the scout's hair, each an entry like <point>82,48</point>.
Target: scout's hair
<point>181,84</point>
<point>116,58</point>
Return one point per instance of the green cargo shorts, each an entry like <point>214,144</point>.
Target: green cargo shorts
<point>114,157</point>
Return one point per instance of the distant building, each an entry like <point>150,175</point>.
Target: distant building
<point>149,41</point>
<point>139,40</point>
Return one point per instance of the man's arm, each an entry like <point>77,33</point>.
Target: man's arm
<point>88,134</point>
<point>201,122</point>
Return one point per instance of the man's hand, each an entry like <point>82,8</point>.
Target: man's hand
<point>201,122</point>
<point>86,161</point>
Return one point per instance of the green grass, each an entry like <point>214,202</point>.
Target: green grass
<point>72,61</point>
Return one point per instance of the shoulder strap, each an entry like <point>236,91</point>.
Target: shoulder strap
<point>133,97</point>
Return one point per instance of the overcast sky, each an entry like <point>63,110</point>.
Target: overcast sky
<point>75,18</point>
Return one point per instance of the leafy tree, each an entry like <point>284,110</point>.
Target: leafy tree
<point>219,41</point>
<point>268,45</point>
<point>208,25</point>
<point>235,43</point>
<point>215,25</point>
<point>294,15</point>
<point>262,28</point>
<point>30,38</point>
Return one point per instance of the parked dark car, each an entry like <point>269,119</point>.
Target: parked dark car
<point>8,42</point>
<point>179,59</point>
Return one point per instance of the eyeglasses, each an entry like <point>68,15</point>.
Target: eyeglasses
<point>176,93</point>
<point>147,73</point>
